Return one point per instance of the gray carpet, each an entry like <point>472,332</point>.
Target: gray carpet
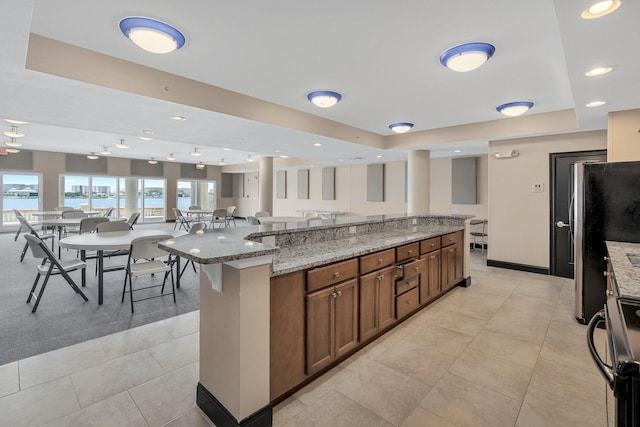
<point>63,317</point>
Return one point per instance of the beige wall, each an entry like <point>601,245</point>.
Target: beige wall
<point>519,218</point>
<point>440,189</point>
<point>623,136</point>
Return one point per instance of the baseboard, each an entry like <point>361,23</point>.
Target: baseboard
<point>221,417</point>
<point>519,267</point>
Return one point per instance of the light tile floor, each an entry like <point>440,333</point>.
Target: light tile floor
<point>504,352</point>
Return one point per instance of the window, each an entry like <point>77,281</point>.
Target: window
<point>22,192</point>
<point>193,192</point>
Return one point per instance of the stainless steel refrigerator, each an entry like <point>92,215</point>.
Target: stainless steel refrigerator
<point>606,206</point>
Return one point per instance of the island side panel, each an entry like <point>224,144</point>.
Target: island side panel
<point>287,360</point>
<point>234,339</point>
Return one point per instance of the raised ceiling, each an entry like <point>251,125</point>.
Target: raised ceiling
<point>242,77</point>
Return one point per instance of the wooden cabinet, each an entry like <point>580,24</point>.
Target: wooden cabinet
<point>407,302</point>
<point>377,307</point>
<point>430,281</point>
<point>376,261</point>
<point>287,333</point>
<point>322,277</point>
<point>332,323</point>
<point>451,262</point>
<point>406,252</point>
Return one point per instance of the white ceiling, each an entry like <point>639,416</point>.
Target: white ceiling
<point>382,56</point>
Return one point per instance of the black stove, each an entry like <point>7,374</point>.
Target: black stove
<point>622,320</point>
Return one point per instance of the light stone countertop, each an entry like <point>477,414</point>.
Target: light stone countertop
<point>627,276</point>
<point>228,244</point>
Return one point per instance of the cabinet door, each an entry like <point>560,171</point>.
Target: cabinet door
<point>320,329</point>
<point>346,317</point>
<point>430,277</point>
<point>386,299</point>
<point>449,267</point>
<point>368,305</point>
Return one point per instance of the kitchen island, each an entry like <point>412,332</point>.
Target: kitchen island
<point>282,303</point>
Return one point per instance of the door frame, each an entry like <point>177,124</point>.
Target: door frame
<point>552,196</point>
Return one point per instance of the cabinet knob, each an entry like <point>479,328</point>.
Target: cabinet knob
<point>336,274</point>
<point>410,251</point>
<point>417,269</point>
<point>379,260</point>
<point>433,245</point>
<point>605,273</point>
<point>334,295</point>
<point>451,250</point>
<point>339,293</point>
<point>432,257</point>
<point>380,277</point>
<point>409,302</point>
<point>606,258</point>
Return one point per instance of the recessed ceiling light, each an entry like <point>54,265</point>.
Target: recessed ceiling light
<point>222,162</point>
<point>600,8</point>
<point>317,144</point>
<point>145,138</point>
<point>379,156</point>
<point>178,118</point>
<point>13,133</point>
<point>92,156</point>
<point>200,165</point>
<point>513,109</point>
<point>105,151</point>
<point>598,71</point>
<point>324,98</point>
<point>227,149</point>
<point>457,151</point>
<point>276,151</point>
<point>170,157</point>
<point>195,152</point>
<point>341,160</point>
<point>122,145</point>
<point>151,35</point>
<point>250,158</point>
<point>16,122</point>
<point>13,143</point>
<point>147,132</point>
<point>152,161</point>
<point>12,150</point>
<point>595,104</point>
<point>401,127</point>
<point>467,57</point>
<point>284,156</point>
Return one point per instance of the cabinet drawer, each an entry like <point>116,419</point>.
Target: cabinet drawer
<point>414,268</point>
<point>407,251</point>
<point>429,245</point>
<point>376,261</point>
<point>330,275</point>
<point>404,285</point>
<point>452,239</point>
<point>407,302</point>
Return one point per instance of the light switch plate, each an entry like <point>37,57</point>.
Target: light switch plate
<point>537,187</point>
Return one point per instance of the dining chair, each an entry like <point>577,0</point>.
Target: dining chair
<point>181,220</point>
<point>18,214</point>
<point>198,226</point>
<point>72,215</point>
<point>107,226</point>
<point>260,214</point>
<point>143,260</point>
<point>43,236</point>
<point>229,216</point>
<point>63,208</point>
<point>480,235</point>
<point>252,220</point>
<point>218,217</point>
<point>50,266</point>
<point>108,213</point>
<point>133,219</point>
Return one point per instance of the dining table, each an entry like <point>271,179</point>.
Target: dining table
<point>58,214</point>
<point>111,241</point>
<point>61,223</point>
<point>197,214</point>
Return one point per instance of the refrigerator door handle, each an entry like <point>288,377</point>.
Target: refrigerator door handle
<point>605,370</point>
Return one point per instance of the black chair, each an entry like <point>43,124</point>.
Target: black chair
<point>143,254</point>
<point>44,236</point>
<point>50,266</point>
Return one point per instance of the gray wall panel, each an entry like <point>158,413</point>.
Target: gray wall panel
<point>464,184</point>
<point>375,183</point>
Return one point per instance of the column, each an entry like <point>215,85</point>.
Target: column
<point>131,190</point>
<point>418,171</point>
<point>265,185</point>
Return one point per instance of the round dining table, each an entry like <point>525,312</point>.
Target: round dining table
<point>58,214</point>
<point>111,241</point>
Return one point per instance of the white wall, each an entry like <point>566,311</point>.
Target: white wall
<point>518,218</point>
<point>440,189</point>
<point>351,192</point>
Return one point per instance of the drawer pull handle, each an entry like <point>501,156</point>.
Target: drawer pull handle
<point>336,274</point>
<point>433,244</point>
<point>379,260</point>
<point>334,295</point>
<point>339,293</point>
<point>380,277</point>
<point>451,250</point>
<point>410,251</point>
<point>432,257</point>
<point>409,302</point>
<point>417,269</point>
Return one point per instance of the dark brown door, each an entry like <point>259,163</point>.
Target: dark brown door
<point>320,329</point>
<point>346,321</point>
<point>386,298</point>
<point>433,276</point>
<point>561,233</point>
<point>368,305</point>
